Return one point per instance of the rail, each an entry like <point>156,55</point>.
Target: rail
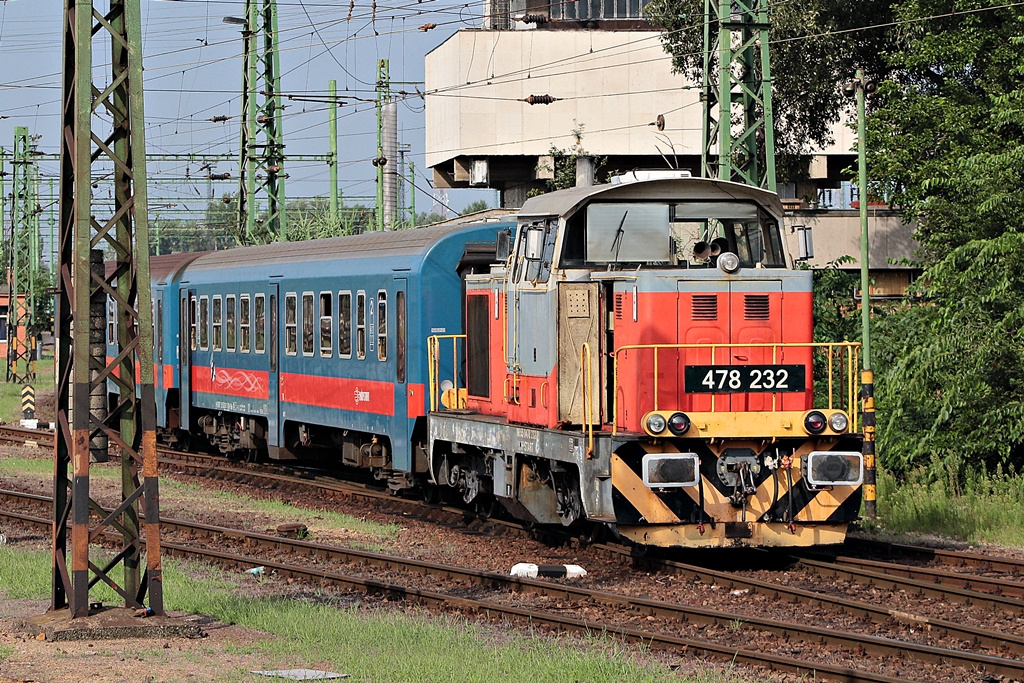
<point>846,354</point>
<point>434,369</point>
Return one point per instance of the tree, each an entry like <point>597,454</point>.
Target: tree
<point>816,46</point>
<point>478,205</point>
<point>946,135</point>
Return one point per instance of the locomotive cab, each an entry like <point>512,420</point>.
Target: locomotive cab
<point>645,358</point>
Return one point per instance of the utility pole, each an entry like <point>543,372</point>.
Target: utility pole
<point>737,93</point>
<point>261,159</point>
<point>412,194</point>
<point>22,247</point>
<point>383,98</point>
<point>861,87</point>
<point>83,287</point>
<point>332,132</point>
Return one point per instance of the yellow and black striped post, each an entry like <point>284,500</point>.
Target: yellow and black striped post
<point>28,402</point>
<point>868,393</point>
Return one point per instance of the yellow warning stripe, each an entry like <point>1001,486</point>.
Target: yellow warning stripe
<point>647,503</point>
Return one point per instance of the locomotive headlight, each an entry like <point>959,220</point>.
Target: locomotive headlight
<point>655,423</point>
<point>814,422</point>
<point>678,424</point>
<point>834,468</point>
<point>729,262</point>
<point>838,422</point>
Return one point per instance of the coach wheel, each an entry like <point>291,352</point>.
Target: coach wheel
<point>431,495</point>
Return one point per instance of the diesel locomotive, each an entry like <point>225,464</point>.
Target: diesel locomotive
<point>637,355</point>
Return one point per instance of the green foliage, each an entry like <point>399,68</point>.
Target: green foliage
<point>952,365</point>
<point>976,507</point>
<point>565,163</point>
<point>478,205</point>
<point>836,316</point>
<point>815,48</point>
<point>424,218</point>
<point>948,135</point>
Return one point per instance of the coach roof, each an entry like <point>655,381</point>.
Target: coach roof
<point>389,244</point>
<point>565,202</point>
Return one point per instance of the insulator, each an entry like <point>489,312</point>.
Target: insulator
<point>219,118</point>
<point>540,99</point>
<point>538,19</point>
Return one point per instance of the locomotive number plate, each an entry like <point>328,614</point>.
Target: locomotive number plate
<point>726,379</point>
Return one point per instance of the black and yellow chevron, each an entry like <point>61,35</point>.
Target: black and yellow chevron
<point>783,511</point>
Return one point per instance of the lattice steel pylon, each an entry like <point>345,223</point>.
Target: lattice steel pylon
<point>22,261</point>
<point>261,154</point>
<point>88,142</point>
<point>737,94</point>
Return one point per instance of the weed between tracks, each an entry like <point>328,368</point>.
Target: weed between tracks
<point>338,632</point>
<point>986,508</point>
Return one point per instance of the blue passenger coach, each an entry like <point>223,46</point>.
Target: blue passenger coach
<point>300,346</point>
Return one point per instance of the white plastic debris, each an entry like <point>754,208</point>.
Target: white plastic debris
<point>300,674</point>
<point>740,591</point>
<point>532,571</point>
<point>256,571</point>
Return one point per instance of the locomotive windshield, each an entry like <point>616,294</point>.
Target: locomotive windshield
<point>665,234</point>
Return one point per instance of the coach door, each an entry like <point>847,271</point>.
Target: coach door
<point>394,344</point>
<point>274,435</point>
<point>186,345</point>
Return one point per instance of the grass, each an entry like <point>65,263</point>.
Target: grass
<point>981,508</point>
<point>371,645</point>
<point>10,394</point>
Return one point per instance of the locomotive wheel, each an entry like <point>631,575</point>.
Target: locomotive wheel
<point>431,494</point>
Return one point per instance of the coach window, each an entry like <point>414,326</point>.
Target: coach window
<point>193,312</point>
<point>260,320</point>
<point>111,322</point>
<point>291,344</point>
<point>345,324</point>
<point>218,323</point>
<point>400,337</point>
<point>229,322</point>
<point>204,322</point>
<point>326,325</point>
<point>308,340</point>
<point>243,323</point>
<point>360,325</point>
<point>382,325</point>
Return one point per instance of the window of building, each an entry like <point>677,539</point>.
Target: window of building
<point>345,324</point>
<point>3,323</point>
<point>204,322</point>
<point>326,325</point>
<point>229,322</point>
<point>243,324</point>
<point>260,321</point>
<point>291,342</point>
<point>217,312</point>
<point>382,325</point>
<point>360,325</point>
<point>308,339</point>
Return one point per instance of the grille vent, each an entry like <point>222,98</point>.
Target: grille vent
<point>755,307</point>
<point>705,307</point>
<point>620,302</point>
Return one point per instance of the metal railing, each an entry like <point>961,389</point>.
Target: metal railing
<point>587,406</point>
<point>843,373</point>
<point>434,368</point>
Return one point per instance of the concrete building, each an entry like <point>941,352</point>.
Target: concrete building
<point>611,94</point>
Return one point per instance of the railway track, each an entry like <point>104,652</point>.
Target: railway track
<point>981,592</point>
<point>666,612</point>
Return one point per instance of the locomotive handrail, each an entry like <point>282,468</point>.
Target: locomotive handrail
<point>851,349</point>
<point>587,407</point>
<point>434,367</point>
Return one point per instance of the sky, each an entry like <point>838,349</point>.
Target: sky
<point>192,61</point>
